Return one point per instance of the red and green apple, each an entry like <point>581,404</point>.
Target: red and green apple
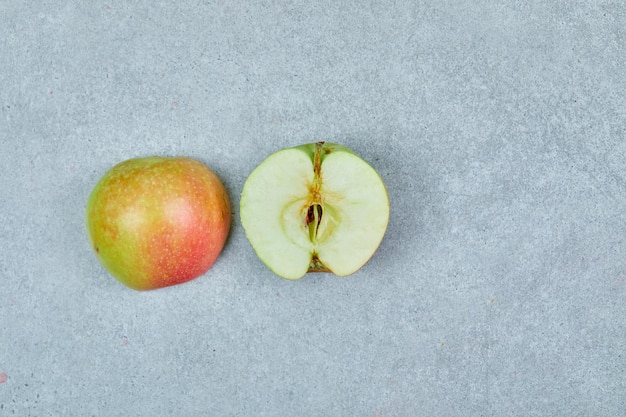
<point>158,221</point>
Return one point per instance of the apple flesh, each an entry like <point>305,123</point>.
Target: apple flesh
<point>314,208</point>
<point>155,222</point>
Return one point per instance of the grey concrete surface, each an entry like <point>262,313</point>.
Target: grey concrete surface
<point>499,128</point>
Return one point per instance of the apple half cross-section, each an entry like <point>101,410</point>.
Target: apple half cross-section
<point>314,208</point>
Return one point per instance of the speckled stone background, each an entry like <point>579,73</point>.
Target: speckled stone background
<point>499,128</point>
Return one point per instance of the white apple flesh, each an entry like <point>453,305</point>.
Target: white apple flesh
<point>314,208</point>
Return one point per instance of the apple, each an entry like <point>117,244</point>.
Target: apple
<point>314,208</point>
<point>155,222</point>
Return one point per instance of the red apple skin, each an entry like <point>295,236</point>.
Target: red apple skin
<point>155,222</point>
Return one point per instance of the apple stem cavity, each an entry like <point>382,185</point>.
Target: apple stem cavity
<point>317,266</point>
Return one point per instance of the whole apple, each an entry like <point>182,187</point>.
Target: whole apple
<point>155,222</point>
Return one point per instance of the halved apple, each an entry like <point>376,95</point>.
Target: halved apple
<point>314,208</point>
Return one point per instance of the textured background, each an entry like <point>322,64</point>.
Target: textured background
<point>498,126</point>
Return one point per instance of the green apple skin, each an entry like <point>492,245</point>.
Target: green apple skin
<point>155,222</point>
<point>316,207</point>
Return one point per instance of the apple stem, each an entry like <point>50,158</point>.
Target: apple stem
<point>317,167</point>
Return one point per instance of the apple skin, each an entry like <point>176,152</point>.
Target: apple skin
<point>155,222</point>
